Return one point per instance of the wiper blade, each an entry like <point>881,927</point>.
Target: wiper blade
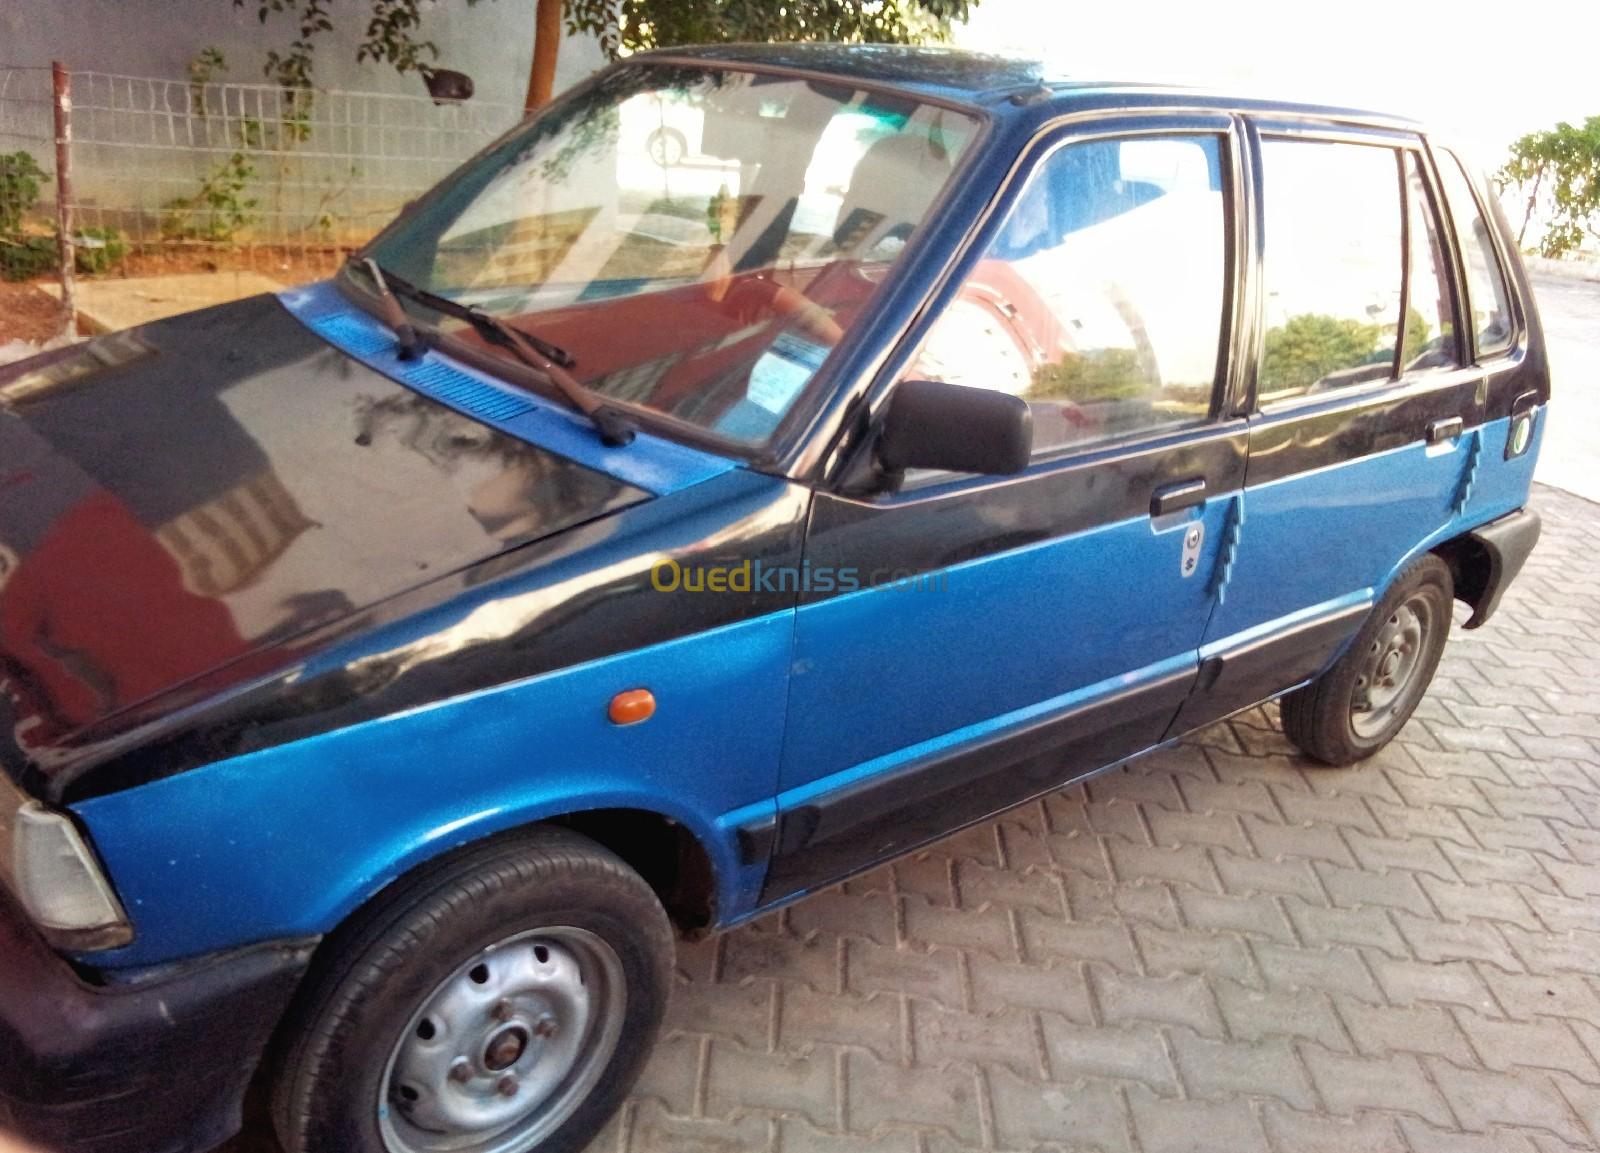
<point>614,427</point>
<point>472,315</point>
<point>395,316</point>
<point>550,360</point>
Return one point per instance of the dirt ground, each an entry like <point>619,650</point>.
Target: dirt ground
<point>285,264</point>
<point>27,314</point>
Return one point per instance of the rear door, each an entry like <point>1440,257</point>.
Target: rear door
<point>1365,424</point>
<point>1051,621</point>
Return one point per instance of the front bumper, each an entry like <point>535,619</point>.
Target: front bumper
<point>155,1065</point>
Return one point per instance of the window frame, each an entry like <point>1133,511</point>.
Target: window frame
<point>1396,143</point>
<point>1119,124</point>
<point>1433,193</point>
<point>1439,155</point>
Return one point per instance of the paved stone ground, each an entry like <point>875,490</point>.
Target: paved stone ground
<point>1217,947</point>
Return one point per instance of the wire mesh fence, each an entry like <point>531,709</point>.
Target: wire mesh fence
<point>175,176</point>
<point>27,172</point>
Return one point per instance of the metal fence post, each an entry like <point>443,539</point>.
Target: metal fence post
<point>61,83</point>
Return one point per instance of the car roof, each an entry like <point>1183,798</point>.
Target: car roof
<point>981,80</point>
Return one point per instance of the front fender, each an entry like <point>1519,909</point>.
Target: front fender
<point>288,841</point>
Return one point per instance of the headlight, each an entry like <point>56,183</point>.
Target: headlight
<point>47,865</point>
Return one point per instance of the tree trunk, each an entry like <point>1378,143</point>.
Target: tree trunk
<point>546,46</point>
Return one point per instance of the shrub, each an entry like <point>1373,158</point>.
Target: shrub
<point>25,257</point>
<point>19,190</point>
<point>98,250</point>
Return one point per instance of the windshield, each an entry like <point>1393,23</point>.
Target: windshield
<point>697,238</point>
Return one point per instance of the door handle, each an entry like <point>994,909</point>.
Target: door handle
<point>1445,429</point>
<point>1179,495</point>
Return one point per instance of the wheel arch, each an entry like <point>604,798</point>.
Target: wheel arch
<point>1486,559</point>
<point>1470,567</point>
<point>675,860</point>
<point>650,842</point>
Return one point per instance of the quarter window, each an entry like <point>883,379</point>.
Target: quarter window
<point>1331,219</point>
<point>1430,338</point>
<point>1100,301</point>
<point>1486,285</point>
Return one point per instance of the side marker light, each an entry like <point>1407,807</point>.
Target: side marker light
<point>632,706</point>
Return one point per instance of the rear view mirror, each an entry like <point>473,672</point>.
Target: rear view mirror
<point>955,428</point>
<point>446,85</point>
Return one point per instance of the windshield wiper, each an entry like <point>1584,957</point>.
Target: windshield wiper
<point>472,314</point>
<point>614,426</point>
<point>550,360</point>
<point>395,316</point>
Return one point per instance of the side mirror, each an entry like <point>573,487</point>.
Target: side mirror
<point>446,84</point>
<point>956,428</point>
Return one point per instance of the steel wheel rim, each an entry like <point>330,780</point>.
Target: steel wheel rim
<point>503,1051</point>
<point>1387,681</point>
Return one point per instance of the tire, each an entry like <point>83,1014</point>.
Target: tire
<point>1387,668</point>
<point>536,966</point>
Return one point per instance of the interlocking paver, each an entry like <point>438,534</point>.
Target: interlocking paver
<point>1245,915</point>
<point>1351,1085</point>
<point>1313,1133</point>
<point>740,1079</point>
<point>1336,969</point>
<point>1255,1014</point>
<point>1196,1126</point>
<point>1129,1054</point>
<point>942,1097</point>
<point>1439,982</point>
<point>1180,1000</point>
<point>1383,1029</point>
<point>1482,1099</point>
<point>1221,1069</point>
<point>1545,1044</point>
<point>1088,1115</point>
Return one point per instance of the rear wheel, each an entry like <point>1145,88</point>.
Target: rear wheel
<point>1358,705</point>
<point>502,1003</point>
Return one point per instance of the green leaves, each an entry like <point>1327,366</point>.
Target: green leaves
<point>1309,346</point>
<point>393,26</point>
<point>635,25</point>
<point>1558,169</point>
<point>20,177</point>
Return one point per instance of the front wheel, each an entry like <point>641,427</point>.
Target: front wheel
<point>502,1003</point>
<point>1358,705</point>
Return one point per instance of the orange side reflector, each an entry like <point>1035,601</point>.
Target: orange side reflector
<point>631,707</point>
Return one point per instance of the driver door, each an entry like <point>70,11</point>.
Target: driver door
<point>998,636</point>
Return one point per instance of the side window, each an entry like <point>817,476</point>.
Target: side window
<point>1331,218</point>
<point>1486,284</point>
<point>1100,302</point>
<point>1430,332</point>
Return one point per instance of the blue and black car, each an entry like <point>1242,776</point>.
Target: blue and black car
<point>759,464</point>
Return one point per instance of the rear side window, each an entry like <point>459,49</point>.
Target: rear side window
<point>1332,224</point>
<point>1100,301</point>
<point>1486,283</point>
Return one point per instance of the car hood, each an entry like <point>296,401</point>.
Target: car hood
<point>190,496</point>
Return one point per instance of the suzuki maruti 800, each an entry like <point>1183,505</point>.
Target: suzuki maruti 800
<point>762,462</point>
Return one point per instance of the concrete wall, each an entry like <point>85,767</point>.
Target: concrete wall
<point>492,41</point>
